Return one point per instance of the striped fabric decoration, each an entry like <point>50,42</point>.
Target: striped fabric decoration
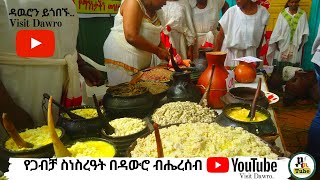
<point>292,21</point>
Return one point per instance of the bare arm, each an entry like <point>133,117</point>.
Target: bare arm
<point>219,40</point>
<point>132,19</point>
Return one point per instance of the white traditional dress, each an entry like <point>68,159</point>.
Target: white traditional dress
<point>205,23</point>
<point>316,49</point>
<point>290,32</point>
<point>121,58</point>
<point>242,32</point>
<point>177,15</point>
<point>26,79</point>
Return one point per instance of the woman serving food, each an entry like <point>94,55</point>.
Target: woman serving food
<point>133,39</point>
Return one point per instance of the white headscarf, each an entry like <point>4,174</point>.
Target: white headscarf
<point>254,0</point>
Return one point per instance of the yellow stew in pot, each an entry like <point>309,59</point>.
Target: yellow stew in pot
<point>92,149</point>
<point>38,137</point>
<point>241,114</point>
<point>87,113</point>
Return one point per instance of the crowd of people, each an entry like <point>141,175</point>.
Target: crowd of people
<point>135,41</point>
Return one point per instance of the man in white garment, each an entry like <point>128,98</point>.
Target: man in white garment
<point>286,41</point>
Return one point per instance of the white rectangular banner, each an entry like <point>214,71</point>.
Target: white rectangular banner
<point>144,168</point>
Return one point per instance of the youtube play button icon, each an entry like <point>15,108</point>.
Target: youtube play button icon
<point>217,164</point>
<point>35,43</point>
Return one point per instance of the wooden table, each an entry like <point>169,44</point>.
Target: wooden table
<point>279,141</point>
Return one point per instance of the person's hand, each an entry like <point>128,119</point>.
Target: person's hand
<point>92,76</point>
<point>163,54</point>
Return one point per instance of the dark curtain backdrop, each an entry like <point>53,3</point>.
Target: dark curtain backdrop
<point>92,34</point>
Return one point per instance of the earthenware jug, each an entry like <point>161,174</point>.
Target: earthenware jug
<point>201,63</point>
<point>218,85</point>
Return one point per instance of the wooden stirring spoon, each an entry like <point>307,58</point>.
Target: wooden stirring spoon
<point>252,112</point>
<point>136,78</point>
<point>59,149</point>
<point>204,100</point>
<point>12,131</point>
<point>158,140</point>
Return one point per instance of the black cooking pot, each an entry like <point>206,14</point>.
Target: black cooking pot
<point>123,142</point>
<point>244,95</point>
<point>78,128</point>
<point>41,152</point>
<point>118,106</point>
<point>261,128</point>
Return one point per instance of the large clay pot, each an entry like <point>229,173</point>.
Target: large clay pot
<point>299,85</point>
<point>183,89</point>
<point>118,106</point>
<point>275,81</point>
<point>218,85</point>
<point>201,63</point>
<point>245,73</point>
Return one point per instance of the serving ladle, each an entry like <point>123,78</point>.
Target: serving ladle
<point>174,64</point>
<point>13,133</point>
<point>252,112</point>
<point>62,108</point>
<point>108,129</point>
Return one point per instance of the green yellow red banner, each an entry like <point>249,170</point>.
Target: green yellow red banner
<point>97,6</point>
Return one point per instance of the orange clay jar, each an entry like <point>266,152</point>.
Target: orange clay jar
<point>245,72</point>
<point>218,85</point>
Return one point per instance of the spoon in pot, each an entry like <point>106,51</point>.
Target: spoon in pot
<point>252,112</point>
<point>59,149</point>
<point>12,131</point>
<point>158,140</point>
<point>136,78</point>
<point>108,129</point>
<point>64,109</point>
<point>204,100</point>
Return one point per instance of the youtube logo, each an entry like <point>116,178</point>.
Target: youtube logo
<point>35,43</point>
<point>217,164</point>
